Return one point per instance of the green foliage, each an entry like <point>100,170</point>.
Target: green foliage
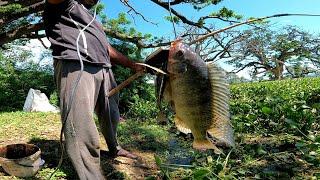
<point>145,135</point>
<point>122,26</point>
<point>12,8</point>
<point>138,99</point>
<point>54,98</point>
<point>117,24</point>
<point>226,13</point>
<point>267,107</point>
<point>199,4</point>
<point>272,52</point>
<point>16,78</point>
<point>174,19</point>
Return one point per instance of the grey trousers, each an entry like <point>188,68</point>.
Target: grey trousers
<point>81,134</point>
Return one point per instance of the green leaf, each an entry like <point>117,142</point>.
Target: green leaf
<point>291,123</point>
<point>266,110</point>
<point>158,160</point>
<point>200,173</point>
<point>261,151</point>
<point>300,144</point>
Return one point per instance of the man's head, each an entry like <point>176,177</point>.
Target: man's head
<point>88,3</point>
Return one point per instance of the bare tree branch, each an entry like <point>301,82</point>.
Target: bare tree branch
<point>181,17</point>
<point>42,43</point>
<point>21,2</point>
<point>133,39</point>
<point>21,32</point>
<point>34,8</point>
<point>126,3</point>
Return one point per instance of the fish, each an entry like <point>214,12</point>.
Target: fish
<point>199,95</point>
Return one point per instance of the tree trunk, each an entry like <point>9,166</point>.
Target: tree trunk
<point>278,71</point>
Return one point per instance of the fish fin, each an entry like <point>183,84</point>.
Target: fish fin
<point>221,135</point>
<point>204,145</point>
<point>161,83</point>
<point>221,128</point>
<point>181,126</point>
<point>167,92</point>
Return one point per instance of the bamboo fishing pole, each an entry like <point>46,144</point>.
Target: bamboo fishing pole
<point>132,78</point>
<point>246,22</point>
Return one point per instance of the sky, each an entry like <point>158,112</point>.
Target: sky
<point>246,8</point>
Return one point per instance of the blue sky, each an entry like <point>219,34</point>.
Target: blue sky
<point>247,8</point>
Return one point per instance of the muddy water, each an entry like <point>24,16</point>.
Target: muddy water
<point>178,154</point>
<point>17,151</point>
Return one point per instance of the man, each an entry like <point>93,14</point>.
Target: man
<point>64,20</point>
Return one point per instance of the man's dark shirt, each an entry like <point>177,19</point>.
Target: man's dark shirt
<point>61,29</point>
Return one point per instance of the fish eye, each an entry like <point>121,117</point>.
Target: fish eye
<point>180,54</point>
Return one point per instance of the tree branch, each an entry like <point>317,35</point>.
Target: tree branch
<point>181,17</point>
<point>9,17</point>
<point>21,2</point>
<point>250,64</point>
<point>21,32</point>
<point>135,40</point>
<point>126,3</point>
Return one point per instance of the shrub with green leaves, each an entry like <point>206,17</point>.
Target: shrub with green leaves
<point>276,106</point>
<point>138,99</point>
<point>15,82</point>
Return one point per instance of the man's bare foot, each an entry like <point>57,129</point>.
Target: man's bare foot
<point>124,153</point>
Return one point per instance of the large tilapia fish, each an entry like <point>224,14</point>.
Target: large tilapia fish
<point>199,95</point>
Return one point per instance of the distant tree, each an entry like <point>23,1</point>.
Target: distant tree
<point>232,78</point>
<point>22,19</point>
<point>213,48</point>
<point>17,76</point>
<point>272,52</point>
<point>301,70</point>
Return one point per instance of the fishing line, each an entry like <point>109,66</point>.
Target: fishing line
<point>247,22</point>
<point>172,20</point>
<point>75,85</point>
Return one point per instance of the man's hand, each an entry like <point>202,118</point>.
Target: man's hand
<point>138,68</point>
<point>118,58</point>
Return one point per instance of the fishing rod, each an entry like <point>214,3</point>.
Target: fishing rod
<point>247,22</point>
<point>132,78</point>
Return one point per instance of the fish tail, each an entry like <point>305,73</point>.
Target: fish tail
<point>204,144</point>
<point>222,135</point>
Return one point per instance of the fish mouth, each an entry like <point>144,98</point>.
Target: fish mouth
<point>176,42</point>
<point>174,48</point>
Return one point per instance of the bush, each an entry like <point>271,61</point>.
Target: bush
<point>15,82</point>
<point>138,99</point>
<point>274,106</point>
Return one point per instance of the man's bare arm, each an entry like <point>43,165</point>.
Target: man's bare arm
<point>55,1</point>
<point>118,58</point>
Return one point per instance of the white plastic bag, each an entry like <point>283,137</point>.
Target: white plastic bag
<point>38,102</point>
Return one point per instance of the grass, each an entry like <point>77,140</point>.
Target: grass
<point>280,156</point>
<point>43,130</point>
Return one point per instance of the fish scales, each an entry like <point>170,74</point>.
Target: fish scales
<point>199,95</point>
